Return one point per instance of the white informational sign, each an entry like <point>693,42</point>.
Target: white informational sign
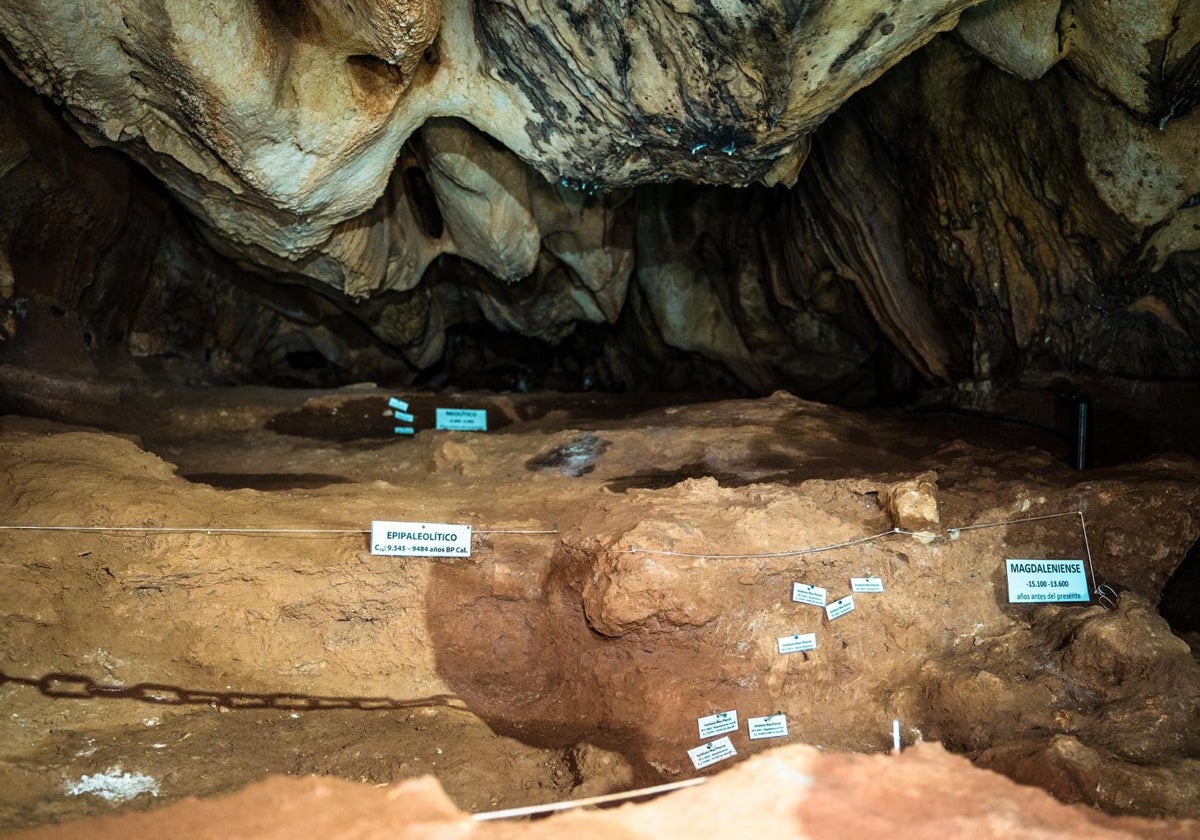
<point>717,724</point>
<point>806,593</point>
<point>1046,581</point>
<point>772,726</point>
<point>707,754</point>
<point>420,539</point>
<point>797,642</point>
<point>867,584</point>
<point>839,607</point>
<point>461,419</point>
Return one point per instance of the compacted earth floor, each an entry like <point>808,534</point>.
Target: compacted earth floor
<point>192,603</point>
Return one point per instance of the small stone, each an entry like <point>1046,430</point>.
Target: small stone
<point>912,505</point>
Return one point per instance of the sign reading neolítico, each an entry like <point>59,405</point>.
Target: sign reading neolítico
<point>420,539</point>
<point>1046,581</point>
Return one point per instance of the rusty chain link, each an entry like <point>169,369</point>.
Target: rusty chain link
<point>80,687</point>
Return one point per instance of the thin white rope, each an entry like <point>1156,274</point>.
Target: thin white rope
<point>514,531</point>
<point>796,552</point>
<point>792,553</point>
<point>1012,521</point>
<point>152,529</point>
<point>1087,546</point>
<point>530,810</point>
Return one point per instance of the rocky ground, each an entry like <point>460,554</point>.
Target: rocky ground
<point>792,792</point>
<point>553,665</point>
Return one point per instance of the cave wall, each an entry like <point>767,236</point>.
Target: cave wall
<point>1017,197</point>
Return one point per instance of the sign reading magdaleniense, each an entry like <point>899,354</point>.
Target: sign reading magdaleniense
<point>1046,581</point>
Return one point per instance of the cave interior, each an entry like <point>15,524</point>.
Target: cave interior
<point>745,297</point>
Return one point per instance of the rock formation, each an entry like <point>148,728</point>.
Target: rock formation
<point>1016,197</point>
<point>989,205</point>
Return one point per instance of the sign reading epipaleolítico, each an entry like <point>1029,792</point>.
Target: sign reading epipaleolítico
<point>1046,581</point>
<point>420,539</point>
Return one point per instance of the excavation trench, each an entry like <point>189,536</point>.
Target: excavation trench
<point>551,665</point>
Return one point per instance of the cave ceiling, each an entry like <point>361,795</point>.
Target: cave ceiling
<point>793,191</point>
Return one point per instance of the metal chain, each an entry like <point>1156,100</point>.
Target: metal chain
<point>79,687</point>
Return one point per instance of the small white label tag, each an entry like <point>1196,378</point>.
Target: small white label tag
<point>462,419</point>
<point>867,584</point>
<point>772,726</point>
<point>797,642</point>
<point>420,539</point>
<point>717,724</point>
<point>806,593</point>
<point>840,607</point>
<point>1043,581</point>
<point>706,754</point>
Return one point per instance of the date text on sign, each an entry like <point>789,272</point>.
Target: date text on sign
<point>717,724</point>
<point>420,539</point>
<point>797,642</point>
<point>1046,581</point>
<point>706,754</point>
<point>839,607</point>
<point>806,593</point>
<point>772,726</point>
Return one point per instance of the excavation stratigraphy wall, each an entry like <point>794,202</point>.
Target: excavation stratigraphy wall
<point>571,638</point>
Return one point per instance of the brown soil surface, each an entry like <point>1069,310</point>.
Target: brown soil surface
<point>793,792</point>
<point>554,665</point>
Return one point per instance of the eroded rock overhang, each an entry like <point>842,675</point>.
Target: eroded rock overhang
<point>276,121</point>
<point>977,220</point>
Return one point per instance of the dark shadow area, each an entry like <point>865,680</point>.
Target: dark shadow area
<point>1085,421</point>
<point>1180,602</point>
<point>662,479</point>
<point>370,417</point>
<point>265,481</point>
<point>365,418</point>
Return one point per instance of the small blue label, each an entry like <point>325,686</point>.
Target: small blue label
<point>398,404</point>
<point>403,430</point>
<point>462,419</point>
